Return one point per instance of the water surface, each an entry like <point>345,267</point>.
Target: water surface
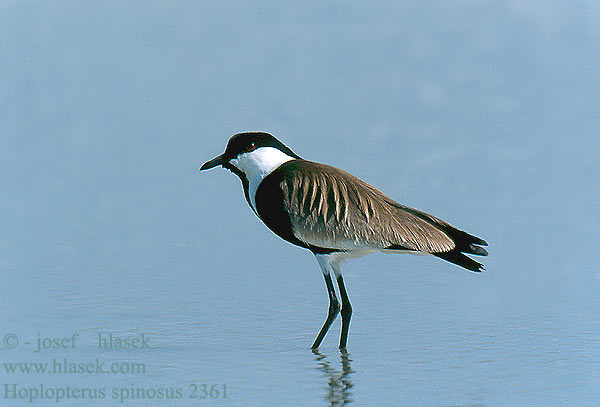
<point>485,115</point>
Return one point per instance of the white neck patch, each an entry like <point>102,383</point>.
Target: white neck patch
<point>257,165</point>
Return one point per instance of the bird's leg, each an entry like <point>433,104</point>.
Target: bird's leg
<point>334,305</point>
<point>334,309</point>
<point>346,307</point>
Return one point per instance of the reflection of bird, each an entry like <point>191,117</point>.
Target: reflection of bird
<point>339,383</point>
<point>335,215</point>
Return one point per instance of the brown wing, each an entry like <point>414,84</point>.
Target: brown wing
<point>331,208</point>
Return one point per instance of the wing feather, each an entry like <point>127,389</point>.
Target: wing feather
<point>331,208</point>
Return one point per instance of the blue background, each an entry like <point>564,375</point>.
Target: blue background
<point>483,113</point>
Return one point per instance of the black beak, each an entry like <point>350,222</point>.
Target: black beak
<point>213,163</point>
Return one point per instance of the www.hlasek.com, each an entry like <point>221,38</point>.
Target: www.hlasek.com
<point>44,393</point>
<point>66,366</point>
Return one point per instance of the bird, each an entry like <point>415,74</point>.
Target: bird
<point>335,215</point>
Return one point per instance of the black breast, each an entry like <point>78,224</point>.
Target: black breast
<point>270,208</point>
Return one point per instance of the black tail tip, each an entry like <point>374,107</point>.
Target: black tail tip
<point>480,241</point>
<point>477,250</point>
<point>458,258</point>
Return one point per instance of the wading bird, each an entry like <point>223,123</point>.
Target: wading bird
<point>335,215</point>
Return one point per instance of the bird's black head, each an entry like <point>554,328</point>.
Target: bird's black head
<point>242,143</point>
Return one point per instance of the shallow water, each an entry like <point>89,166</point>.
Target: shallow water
<point>483,115</point>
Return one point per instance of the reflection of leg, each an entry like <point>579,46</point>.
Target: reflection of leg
<point>339,383</point>
<point>346,382</point>
<point>346,311</point>
<point>345,357</point>
<point>334,305</point>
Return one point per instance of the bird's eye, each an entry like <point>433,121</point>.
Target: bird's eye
<point>251,147</point>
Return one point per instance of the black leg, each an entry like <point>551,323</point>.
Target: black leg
<point>334,309</point>
<point>346,312</point>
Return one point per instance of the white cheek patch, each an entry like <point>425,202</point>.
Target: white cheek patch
<point>257,165</point>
